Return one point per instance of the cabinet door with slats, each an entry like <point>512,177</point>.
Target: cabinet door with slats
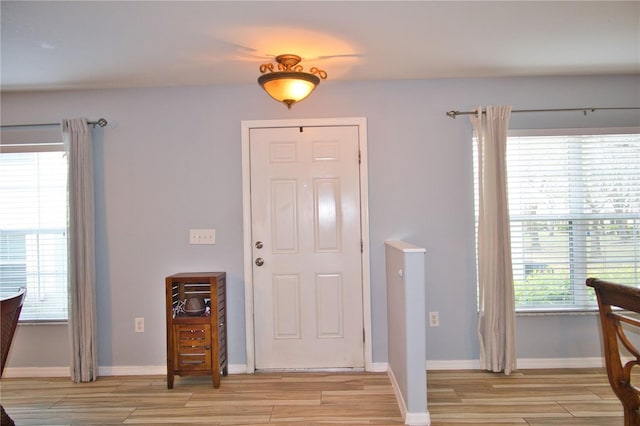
<point>192,347</point>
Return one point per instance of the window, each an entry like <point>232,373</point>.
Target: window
<point>574,205</point>
<point>33,227</point>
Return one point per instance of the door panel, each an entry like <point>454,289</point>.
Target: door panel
<point>330,304</point>
<point>327,224</point>
<point>305,209</point>
<point>286,312</point>
<point>284,213</point>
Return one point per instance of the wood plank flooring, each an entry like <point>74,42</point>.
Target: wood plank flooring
<point>530,397</point>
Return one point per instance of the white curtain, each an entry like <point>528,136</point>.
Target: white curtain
<point>82,289</point>
<point>496,320</point>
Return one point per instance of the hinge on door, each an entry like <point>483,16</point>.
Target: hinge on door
<point>361,247</point>
<point>359,157</point>
<point>363,336</point>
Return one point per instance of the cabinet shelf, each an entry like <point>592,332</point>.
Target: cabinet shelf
<point>191,319</point>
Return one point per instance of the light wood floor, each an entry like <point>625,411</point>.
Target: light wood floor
<point>530,397</point>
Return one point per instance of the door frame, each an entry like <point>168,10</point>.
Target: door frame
<point>246,126</point>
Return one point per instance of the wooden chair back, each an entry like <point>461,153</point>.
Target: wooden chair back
<point>10,308</point>
<point>611,295</point>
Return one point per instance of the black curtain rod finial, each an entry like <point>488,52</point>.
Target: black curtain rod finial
<point>100,122</point>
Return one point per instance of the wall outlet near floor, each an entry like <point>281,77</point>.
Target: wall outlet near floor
<point>434,319</point>
<point>139,325</point>
<point>202,236</point>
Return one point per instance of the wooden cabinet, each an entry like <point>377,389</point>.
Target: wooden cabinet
<point>196,342</point>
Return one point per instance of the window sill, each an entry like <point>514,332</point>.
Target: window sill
<point>43,322</point>
<point>549,312</point>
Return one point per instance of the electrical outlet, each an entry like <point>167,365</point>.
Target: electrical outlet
<point>202,236</point>
<point>434,319</point>
<point>139,325</point>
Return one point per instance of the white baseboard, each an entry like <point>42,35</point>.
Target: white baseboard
<point>376,367</point>
<point>123,370</point>
<point>523,363</point>
<point>237,369</point>
<point>379,367</point>
<point>533,363</point>
<point>18,372</point>
<point>417,419</point>
<point>133,370</point>
<point>464,364</point>
<point>414,419</point>
<point>396,390</point>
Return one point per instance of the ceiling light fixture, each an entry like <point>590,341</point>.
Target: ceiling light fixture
<point>289,84</point>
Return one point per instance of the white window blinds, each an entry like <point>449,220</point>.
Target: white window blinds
<point>33,229</point>
<point>574,205</point>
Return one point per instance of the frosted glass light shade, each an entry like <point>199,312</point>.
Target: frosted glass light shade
<point>288,87</point>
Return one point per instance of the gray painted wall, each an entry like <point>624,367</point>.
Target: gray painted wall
<point>406,324</point>
<point>171,161</point>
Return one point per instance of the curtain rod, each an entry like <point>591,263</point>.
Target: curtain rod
<point>99,122</point>
<point>454,114</point>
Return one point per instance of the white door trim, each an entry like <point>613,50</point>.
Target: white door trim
<point>246,126</point>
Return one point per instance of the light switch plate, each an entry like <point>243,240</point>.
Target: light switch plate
<point>202,236</point>
<point>139,325</point>
<point>434,319</point>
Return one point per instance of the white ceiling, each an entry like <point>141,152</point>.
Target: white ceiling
<point>106,44</point>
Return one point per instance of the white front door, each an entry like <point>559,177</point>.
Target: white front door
<point>306,238</point>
